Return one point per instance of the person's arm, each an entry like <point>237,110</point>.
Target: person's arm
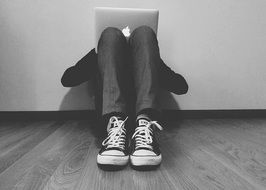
<point>83,71</point>
<point>172,81</point>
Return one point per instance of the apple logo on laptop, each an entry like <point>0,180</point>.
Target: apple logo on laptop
<point>126,31</point>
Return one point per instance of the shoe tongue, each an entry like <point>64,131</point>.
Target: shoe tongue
<point>143,122</point>
<point>114,126</point>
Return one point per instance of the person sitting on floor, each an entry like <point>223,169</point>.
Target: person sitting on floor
<point>131,71</point>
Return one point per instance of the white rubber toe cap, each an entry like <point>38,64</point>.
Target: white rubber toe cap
<point>112,160</point>
<point>143,152</point>
<point>148,160</point>
<point>112,153</point>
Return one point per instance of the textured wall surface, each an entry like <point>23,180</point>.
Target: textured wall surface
<point>219,46</point>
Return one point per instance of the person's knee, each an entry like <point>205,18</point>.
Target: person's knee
<point>143,33</point>
<point>111,34</point>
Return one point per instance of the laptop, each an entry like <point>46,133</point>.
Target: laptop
<point>125,19</point>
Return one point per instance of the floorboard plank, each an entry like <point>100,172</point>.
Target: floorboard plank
<point>69,172</point>
<point>19,144</point>
<point>250,129</point>
<point>204,171</point>
<point>7,128</point>
<point>243,157</point>
<point>51,163</point>
<point>98,179</point>
<point>20,171</point>
<point>198,154</point>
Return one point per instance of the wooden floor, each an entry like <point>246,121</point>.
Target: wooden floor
<point>197,154</point>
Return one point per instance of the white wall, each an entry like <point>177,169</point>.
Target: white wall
<point>218,45</point>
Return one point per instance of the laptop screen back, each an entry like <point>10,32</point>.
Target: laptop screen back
<point>122,18</point>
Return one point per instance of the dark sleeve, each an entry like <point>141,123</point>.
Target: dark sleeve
<point>171,81</point>
<point>82,71</point>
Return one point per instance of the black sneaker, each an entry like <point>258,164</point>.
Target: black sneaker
<point>114,148</point>
<point>145,149</point>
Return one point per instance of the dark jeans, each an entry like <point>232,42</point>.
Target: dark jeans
<point>128,70</point>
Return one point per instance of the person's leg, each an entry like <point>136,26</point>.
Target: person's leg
<point>112,60</point>
<point>145,62</point>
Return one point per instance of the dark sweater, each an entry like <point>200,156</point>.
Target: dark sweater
<point>85,68</point>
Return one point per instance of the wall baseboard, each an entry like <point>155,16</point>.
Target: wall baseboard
<point>169,115</point>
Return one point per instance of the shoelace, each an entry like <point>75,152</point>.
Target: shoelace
<point>143,134</point>
<point>116,133</point>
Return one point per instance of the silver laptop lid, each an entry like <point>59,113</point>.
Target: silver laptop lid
<point>123,18</point>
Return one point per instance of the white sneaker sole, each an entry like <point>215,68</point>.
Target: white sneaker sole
<point>112,160</point>
<point>145,160</point>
